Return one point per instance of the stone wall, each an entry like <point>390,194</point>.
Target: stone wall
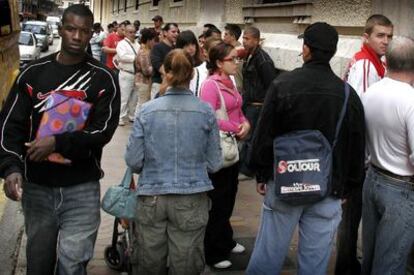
<point>400,12</point>
<point>234,12</point>
<point>351,13</point>
<point>285,50</point>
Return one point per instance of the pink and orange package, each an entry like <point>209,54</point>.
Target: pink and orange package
<point>62,114</point>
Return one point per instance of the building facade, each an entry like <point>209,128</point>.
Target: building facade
<point>63,4</point>
<point>280,21</point>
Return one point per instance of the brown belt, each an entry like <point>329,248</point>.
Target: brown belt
<point>409,179</point>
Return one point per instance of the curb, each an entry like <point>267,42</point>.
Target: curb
<point>11,232</point>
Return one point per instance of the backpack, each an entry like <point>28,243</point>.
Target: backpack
<point>303,163</point>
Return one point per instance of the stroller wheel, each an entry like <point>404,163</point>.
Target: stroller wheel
<point>113,257</point>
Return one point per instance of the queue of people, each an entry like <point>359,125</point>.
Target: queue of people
<point>324,150</point>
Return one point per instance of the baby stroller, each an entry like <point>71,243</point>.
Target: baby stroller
<point>117,255</point>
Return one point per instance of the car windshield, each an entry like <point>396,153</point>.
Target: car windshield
<point>52,23</point>
<point>35,29</point>
<point>26,39</point>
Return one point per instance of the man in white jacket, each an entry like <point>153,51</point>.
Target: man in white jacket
<point>367,66</point>
<point>126,51</point>
<point>365,69</point>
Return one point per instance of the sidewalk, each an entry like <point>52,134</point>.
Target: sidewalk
<point>11,231</point>
<point>245,220</point>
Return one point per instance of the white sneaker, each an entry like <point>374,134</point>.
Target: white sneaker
<point>223,264</point>
<point>121,123</point>
<point>238,249</point>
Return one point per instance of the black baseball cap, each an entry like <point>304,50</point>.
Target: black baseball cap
<point>157,18</point>
<point>320,35</point>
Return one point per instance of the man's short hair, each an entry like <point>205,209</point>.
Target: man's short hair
<point>211,31</point>
<point>209,26</point>
<point>253,31</point>
<point>77,9</point>
<point>96,26</point>
<point>168,26</point>
<point>375,20</point>
<point>400,55</point>
<point>233,29</point>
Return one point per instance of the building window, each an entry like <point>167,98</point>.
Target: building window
<point>136,4</point>
<point>119,5</point>
<point>300,11</point>
<point>125,5</point>
<point>155,3</point>
<point>175,1</point>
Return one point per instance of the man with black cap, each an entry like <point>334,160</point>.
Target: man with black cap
<point>158,21</point>
<point>309,98</point>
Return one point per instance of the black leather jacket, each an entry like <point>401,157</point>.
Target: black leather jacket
<point>258,72</point>
<point>311,97</point>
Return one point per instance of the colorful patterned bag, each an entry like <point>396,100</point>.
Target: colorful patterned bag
<point>62,114</point>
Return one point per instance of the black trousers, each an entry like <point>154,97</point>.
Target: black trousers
<point>252,114</point>
<point>347,238</point>
<point>218,240</point>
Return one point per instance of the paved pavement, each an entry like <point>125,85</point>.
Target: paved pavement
<point>245,220</point>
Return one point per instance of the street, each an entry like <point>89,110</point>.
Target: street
<point>52,48</point>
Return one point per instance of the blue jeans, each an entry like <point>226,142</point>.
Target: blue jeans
<point>317,226</point>
<point>387,224</point>
<point>61,226</point>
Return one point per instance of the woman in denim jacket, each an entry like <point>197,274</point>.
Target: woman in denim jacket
<point>219,241</point>
<point>174,144</point>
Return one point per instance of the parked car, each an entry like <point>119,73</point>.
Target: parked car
<point>41,30</point>
<point>53,19</point>
<point>54,22</point>
<point>55,30</point>
<point>28,48</point>
<point>50,38</point>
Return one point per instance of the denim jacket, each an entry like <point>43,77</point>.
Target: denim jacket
<point>174,144</point>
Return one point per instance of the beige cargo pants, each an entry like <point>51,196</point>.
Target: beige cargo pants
<point>169,234</point>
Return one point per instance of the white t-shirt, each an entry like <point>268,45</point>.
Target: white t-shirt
<point>389,116</point>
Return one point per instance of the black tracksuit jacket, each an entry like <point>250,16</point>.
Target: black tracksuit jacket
<point>19,121</point>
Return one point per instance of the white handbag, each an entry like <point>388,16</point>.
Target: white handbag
<point>228,142</point>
